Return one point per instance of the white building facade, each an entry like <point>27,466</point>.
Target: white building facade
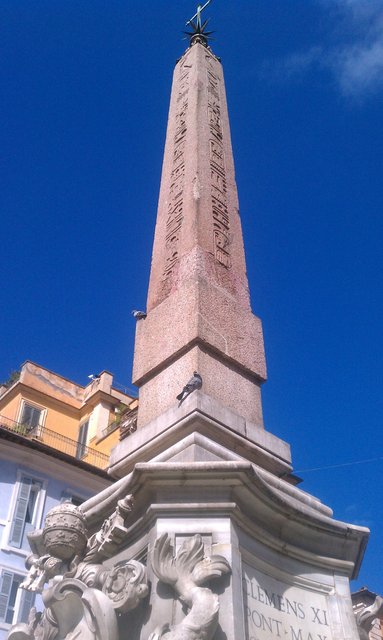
<point>33,479</point>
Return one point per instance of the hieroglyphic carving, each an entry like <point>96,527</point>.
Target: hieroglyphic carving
<point>221,226</point>
<point>175,202</point>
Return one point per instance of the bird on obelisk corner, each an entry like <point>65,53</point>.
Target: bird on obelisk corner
<point>138,315</point>
<point>194,383</point>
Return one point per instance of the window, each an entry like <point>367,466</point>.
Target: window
<point>31,416</point>
<point>73,498</point>
<point>82,437</point>
<point>14,607</point>
<point>25,511</point>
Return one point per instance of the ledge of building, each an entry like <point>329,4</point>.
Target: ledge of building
<point>236,438</point>
<point>263,507</point>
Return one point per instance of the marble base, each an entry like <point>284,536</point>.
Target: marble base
<point>290,560</point>
<point>201,429</point>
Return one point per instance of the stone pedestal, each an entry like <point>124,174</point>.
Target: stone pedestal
<point>201,429</point>
<point>194,551</point>
<point>290,562</point>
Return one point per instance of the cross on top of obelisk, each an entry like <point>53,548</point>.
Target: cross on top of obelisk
<point>198,34</point>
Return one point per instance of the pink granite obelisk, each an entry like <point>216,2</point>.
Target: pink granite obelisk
<point>198,310</point>
<point>199,315</point>
<point>204,470</point>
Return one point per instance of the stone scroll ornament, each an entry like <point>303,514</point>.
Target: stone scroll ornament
<point>186,572</point>
<point>83,597</point>
<point>365,618</point>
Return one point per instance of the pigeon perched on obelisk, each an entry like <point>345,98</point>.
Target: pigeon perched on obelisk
<point>194,383</point>
<point>139,315</point>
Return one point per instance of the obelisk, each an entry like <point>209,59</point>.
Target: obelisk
<point>199,315</point>
<point>198,309</point>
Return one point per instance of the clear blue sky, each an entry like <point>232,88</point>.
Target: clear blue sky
<point>85,96</point>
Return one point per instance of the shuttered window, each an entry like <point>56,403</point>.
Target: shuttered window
<point>25,511</point>
<point>82,437</point>
<point>67,496</point>
<point>9,584</point>
<point>5,591</point>
<point>27,601</point>
<point>30,416</point>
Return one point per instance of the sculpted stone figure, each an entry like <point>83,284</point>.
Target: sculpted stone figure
<point>186,572</point>
<point>83,596</point>
<point>54,548</point>
<point>41,569</point>
<point>366,617</point>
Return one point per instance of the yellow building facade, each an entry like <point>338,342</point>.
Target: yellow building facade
<point>83,422</point>
<point>55,441</point>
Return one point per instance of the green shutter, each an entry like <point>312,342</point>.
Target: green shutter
<point>17,527</point>
<point>5,589</point>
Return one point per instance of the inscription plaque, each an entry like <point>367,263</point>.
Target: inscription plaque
<point>275,609</point>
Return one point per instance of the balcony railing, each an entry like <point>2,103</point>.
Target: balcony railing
<point>57,441</point>
<point>127,423</point>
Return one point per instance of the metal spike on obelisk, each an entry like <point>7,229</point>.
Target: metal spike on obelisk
<point>198,14</point>
<point>199,33</point>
